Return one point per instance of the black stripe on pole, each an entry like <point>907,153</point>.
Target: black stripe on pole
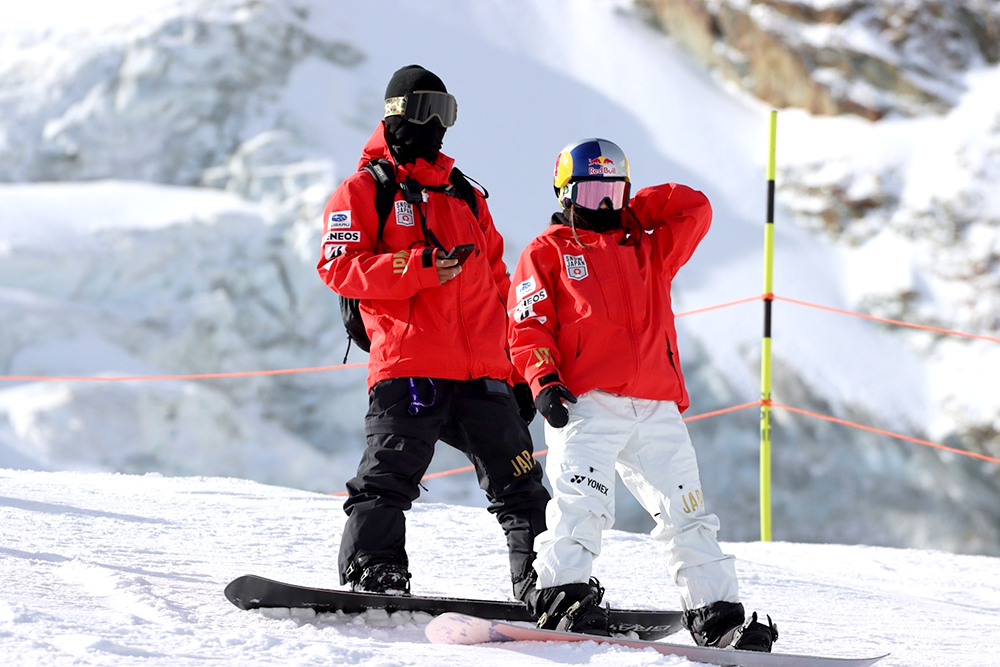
<point>770,201</point>
<point>768,298</point>
<point>767,318</point>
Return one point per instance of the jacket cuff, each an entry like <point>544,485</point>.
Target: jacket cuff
<point>544,380</point>
<point>421,263</point>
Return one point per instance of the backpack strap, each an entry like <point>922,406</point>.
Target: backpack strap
<point>385,194</point>
<point>385,190</point>
<point>465,191</point>
<point>385,179</point>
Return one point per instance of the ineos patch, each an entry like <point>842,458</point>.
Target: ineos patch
<point>342,237</point>
<point>540,295</point>
<point>526,308</point>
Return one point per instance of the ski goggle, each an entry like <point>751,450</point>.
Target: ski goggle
<point>422,105</point>
<point>590,194</point>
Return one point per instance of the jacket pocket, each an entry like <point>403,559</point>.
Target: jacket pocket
<point>672,358</point>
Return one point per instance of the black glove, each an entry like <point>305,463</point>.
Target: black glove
<point>525,404</point>
<point>549,403</point>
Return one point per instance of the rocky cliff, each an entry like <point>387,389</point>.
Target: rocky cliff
<point>871,58</point>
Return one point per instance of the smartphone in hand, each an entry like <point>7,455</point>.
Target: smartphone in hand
<point>460,252</point>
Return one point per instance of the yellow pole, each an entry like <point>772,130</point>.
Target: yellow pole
<point>765,354</point>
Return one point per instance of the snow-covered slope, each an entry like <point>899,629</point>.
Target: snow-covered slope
<point>108,570</point>
<point>271,101</point>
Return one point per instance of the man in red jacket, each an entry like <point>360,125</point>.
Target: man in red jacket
<point>591,324</point>
<point>439,367</point>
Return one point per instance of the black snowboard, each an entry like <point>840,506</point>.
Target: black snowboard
<point>253,592</point>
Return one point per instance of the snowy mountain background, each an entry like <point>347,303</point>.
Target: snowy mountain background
<point>164,164</point>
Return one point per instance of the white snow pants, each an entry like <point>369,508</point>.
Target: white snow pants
<point>648,444</point>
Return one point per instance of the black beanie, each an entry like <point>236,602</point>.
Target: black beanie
<point>409,141</point>
<point>410,78</point>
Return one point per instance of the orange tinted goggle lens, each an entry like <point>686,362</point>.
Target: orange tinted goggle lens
<point>590,194</point>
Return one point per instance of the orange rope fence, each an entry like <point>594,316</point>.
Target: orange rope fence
<point>200,376</point>
<point>318,369</point>
<point>918,441</point>
<point>885,319</point>
<point>723,411</point>
<point>749,299</point>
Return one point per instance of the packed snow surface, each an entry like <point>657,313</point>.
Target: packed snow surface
<point>110,569</point>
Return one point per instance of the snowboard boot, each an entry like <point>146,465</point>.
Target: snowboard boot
<point>571,608</point>
<point>755,636</point>
<point>524,586</point>
<point>721,625</point>
<point>387,578</point>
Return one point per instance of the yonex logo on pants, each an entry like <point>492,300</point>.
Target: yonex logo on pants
<point>592,483</point>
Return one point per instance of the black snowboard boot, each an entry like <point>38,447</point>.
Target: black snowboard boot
<point>755,636</point>
<point>571,608</point>
<point>524,586</point>
<point>389,578</point>
<point>721,625</point>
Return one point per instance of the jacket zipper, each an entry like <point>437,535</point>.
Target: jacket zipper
<point>628,316</point>
<point>461,318</point>
<point>465,331</point>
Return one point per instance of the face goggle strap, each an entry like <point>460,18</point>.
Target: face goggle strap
<point>591,194</point>
<point>421,106</point>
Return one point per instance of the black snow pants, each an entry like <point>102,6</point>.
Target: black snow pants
<point>479,418</point>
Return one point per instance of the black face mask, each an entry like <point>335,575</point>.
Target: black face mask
<point>601,220</point>
<point>410,141</point>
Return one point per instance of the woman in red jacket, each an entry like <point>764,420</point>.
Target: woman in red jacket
<point>591,324</point>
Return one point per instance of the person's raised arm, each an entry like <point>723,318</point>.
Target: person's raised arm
<point>678,217</point>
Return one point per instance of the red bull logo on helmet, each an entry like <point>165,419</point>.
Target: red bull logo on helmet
<point>601,165</point>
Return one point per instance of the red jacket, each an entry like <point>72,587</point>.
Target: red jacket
<point>418,327</point>
<point>599,314</point>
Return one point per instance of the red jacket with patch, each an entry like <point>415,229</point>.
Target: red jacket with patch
<point>599,314</point>
<point>418,327</point>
